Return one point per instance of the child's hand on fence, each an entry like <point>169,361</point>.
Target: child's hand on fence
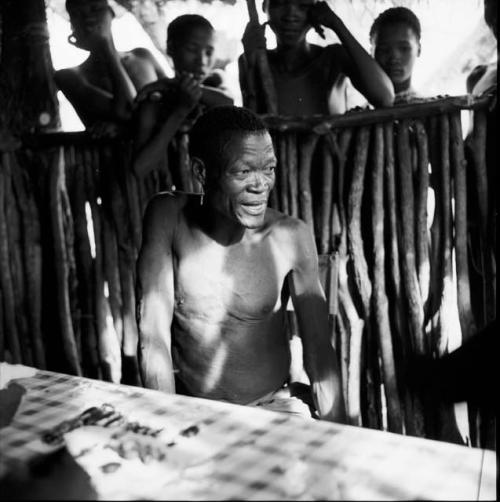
<point>253,40</point>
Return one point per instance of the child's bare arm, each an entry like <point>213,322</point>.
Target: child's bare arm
<point>149,146</point>
<point>365,73</point>
<point>90,102</point>
<point>123,88</point>
<point>247,84</point>
<point>253,40</point>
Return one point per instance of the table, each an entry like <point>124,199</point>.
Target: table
<point>252,454</point>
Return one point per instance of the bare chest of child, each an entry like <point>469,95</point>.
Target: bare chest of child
<point>316,88</point>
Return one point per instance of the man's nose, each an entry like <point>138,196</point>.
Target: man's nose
<point>258,181</point>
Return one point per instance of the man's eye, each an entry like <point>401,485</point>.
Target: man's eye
<point>241,173</point>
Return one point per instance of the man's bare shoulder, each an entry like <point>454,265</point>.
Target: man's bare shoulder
<point>284,224</point>
<point>162,215</point>
<point>166,203</point>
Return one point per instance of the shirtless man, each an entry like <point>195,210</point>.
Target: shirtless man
<point>102,89</point>
<point>214,277</point>
<point>310,79</point>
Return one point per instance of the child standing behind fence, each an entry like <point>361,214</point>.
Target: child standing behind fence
<point>102,89</point>
<point>309,79</point>
<point>395,39</point>
<point>166,104</point>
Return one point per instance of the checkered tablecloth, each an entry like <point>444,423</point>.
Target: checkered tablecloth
<point>253,454</point>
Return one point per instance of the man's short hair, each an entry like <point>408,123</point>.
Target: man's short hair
<point>182,25</point>
<point>216,128</point>
<point>396,15</point>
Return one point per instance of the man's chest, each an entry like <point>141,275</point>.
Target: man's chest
<point>239,282</point>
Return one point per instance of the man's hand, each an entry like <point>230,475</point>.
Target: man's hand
<point>253,40</point>
<point>320,15</point>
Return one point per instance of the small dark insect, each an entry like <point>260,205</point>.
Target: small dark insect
<point>190,431</point>
<point>111,467</point>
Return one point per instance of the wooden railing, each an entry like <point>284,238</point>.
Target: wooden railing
<point>398,280</point>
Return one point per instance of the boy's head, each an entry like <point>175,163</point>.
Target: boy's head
<point>88,17</point>
<point>233,156</point>
<point>289,19</point>
<point>190,44</point>
<point>395,39</point>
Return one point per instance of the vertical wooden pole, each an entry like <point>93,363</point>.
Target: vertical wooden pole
<point>263,68</point>
<point>27,87</point>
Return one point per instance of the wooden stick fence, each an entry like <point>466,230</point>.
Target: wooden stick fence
<point>70,229</point>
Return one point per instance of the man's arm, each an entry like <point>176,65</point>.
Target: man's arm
<point>155,294</point>
<point>365,73</point>
<point>320,358</point>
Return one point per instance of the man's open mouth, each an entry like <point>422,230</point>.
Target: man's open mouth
<point>254,208</point>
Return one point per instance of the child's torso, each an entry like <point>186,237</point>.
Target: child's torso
<point>317,88</point>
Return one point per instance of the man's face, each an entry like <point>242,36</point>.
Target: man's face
<point>396,49</point>
<point>243,187</point>
<point>195,53</point>
<point>89,19</point>
<point>289,19</point>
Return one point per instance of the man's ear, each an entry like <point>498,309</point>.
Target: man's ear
<point>419,49</point>
<point>265,5</point>
<point>199,171</point>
